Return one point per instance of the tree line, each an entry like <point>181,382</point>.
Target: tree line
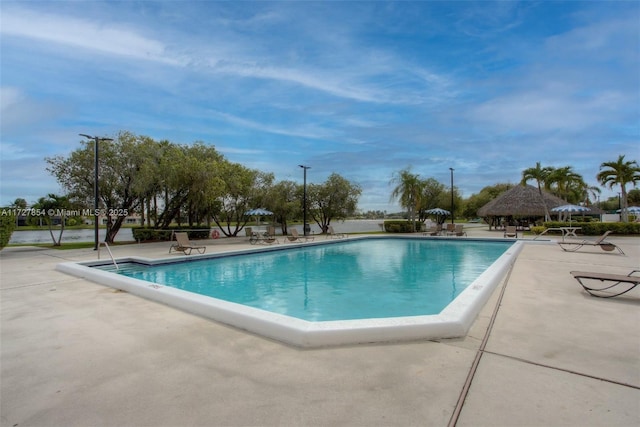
<point>418,195</point>
<point>170,183</point>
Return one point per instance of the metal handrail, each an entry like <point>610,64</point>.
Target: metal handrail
<point>110,254</point>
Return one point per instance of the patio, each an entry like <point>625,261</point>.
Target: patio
<point>542,352</point>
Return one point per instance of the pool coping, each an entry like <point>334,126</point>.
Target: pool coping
<point>452,322</point>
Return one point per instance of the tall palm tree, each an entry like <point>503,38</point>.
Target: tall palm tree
<point>539,174</point>
<point>564,181</point>
<point>621,173</point>
<point>407,190</point>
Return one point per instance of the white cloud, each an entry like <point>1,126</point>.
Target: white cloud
<point>310,131</point>
<point>106,38</point>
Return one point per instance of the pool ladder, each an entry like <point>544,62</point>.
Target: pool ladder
<point>110,254</point>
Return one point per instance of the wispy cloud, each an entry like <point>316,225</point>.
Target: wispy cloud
<point>90,35</point>
<point>359,88</point>
<point>310,131</point>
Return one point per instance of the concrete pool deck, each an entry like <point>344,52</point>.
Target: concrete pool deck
<point>542,352</point>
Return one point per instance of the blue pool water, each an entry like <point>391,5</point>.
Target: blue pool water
<point>373,278</point>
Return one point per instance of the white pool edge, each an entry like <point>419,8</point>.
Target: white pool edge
<point>454,321</point>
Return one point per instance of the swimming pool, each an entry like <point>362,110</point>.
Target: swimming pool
<point>327,293</point>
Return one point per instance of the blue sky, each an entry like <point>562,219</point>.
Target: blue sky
<point>363,89</point>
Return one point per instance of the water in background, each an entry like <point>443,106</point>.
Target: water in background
<point>126,235</point>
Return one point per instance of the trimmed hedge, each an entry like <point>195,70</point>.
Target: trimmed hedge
<point>400,226</point>
<point>7,225</point>
<point>149,234</point>
<point>599,228</point>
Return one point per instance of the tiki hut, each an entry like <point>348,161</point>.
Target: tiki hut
<point>519,201</point>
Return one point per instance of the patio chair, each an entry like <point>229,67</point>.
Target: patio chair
<point>185,246</point>
<point>569,246</point>
<point>459,230</point>
<point>268,240</point>
<point>511,231</point>
<point>435,230</point>
<point>451,229</point>
<point>295,237</point>
<point>623,284</point>
<point>331,233</point>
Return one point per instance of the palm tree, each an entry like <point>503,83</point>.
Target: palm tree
<point>621,173</point>
<point>408,190</point>
<point>539,174</point>
<point>588,192</point>
<point>565,183</point>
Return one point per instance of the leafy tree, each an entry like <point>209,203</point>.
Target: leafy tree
<point>335,199</point>
<point>431,196</point>
<point>242,190</point>
<point>19,203</point>
<point>190,179</point>
<point>284,200</point>
<point>487,194</point>
<point>620,172</point>
<point>119,163</point>
<point>633,197</point>
<point>408,190</point>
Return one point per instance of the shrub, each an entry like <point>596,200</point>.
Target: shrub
<point>599,228</point>
<point>400,226</point>
<point>148,234</point>
<point>538,229</point>
<point>7,225</point>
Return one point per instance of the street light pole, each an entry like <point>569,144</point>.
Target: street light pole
<point>96,198</point>
<point>304,200</point>
<point>451,169</point>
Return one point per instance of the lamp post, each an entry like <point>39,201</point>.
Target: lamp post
<point>451,169</point>
<point>95,186</point>
<point>304,200</point>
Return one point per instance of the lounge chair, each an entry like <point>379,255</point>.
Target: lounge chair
<point>263,237</point>
<point>625,283</point>
<point>331,233</point>
<point>435,230</point>
<point>459,230</point>
<point>511,231</point>
<point>569,246</point>
<point>295,237</point>
<point>451,229</point>
<point>185,246</point>
<point>268,240</point>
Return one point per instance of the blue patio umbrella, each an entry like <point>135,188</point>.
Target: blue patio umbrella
<point>570,209</point>
<point>437,211</point>
<point>258,212</point>
<point>634,210</point>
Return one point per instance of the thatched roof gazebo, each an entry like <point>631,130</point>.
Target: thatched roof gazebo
<point>521,200</point>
